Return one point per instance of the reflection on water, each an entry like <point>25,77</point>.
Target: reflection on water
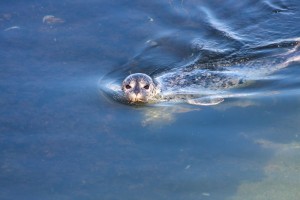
<point>61,139</point>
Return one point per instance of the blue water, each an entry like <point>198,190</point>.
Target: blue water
<point>61,138</point>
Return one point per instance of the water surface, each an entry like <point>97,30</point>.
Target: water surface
<point>62,139</point>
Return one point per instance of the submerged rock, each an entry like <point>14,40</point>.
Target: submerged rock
<point>50,19</point>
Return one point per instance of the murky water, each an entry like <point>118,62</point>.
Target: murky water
<point>61,138</point>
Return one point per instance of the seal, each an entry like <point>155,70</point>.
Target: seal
<point>200,84</point>
<point>193,88</point>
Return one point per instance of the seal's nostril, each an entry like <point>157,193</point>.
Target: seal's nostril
<point>136,91</point>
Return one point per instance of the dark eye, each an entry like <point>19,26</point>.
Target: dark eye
<point>146,87</point>
<point>127,86</point>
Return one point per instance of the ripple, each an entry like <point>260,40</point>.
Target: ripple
<point>222,27</point>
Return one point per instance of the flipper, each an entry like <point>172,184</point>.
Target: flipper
<point>206,101</point>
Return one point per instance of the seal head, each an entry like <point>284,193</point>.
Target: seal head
<point>139,88</point>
